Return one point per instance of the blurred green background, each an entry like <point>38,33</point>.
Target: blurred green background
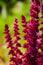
<point>9,9</point>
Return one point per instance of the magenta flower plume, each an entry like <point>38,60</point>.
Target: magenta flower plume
<point>33,44</point>
<point>32,36</point>
<point>37,2</point>
<point>9,40</point>
<point>34,10</point>
<point>24,24</point>
<point>16,33</point>
<point>8,37</point>
<point>14,50</point>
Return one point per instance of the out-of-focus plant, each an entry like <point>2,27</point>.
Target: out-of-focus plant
<point>7,5</point>
<point>33,54</point>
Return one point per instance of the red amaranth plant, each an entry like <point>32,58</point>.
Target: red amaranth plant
<point>34,39</point>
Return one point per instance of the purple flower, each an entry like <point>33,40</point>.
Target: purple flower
<point>37,2</point>
<point>33,44</point>
<point>34,10</point>
<point>8,37</point>
<point>14,50</point>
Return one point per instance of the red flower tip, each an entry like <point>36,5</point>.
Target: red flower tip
<point>15,20</point>
<point>23,19</point>
<point>6,26</point>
